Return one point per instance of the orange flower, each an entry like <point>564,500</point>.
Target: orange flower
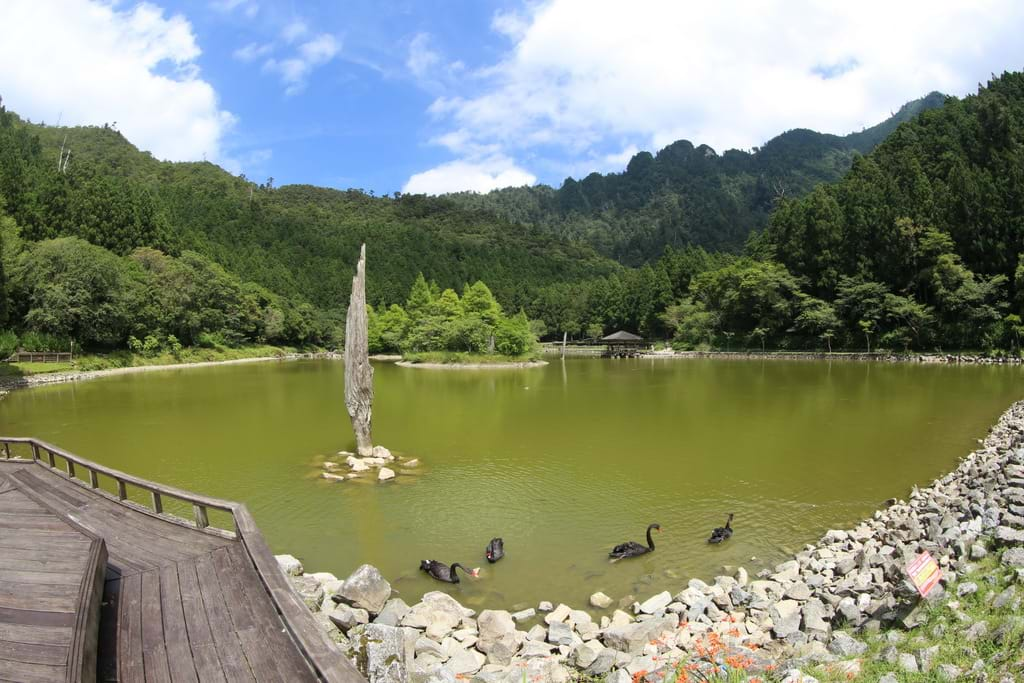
<point>639,675</point>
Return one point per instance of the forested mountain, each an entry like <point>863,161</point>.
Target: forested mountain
<point>687,195</point>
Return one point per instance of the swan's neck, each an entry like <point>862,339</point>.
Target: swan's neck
<point>455,577</point>
<point>728,522</point>
<point>650,541</point>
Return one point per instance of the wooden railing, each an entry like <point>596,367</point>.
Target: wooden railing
<point>47,454</point>
<point>327,662</point>
<point>39,357</point>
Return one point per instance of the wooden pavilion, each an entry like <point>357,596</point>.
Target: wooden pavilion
<point>622,344</point>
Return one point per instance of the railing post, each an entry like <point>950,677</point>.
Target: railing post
<point>121,493</point>
<point>35,452</point>
<point>94,481</point>
<point>49,458</point>
<point>7,451</point>
<point>71,467</point>
<point>202,521</point>
<point>158,503</point>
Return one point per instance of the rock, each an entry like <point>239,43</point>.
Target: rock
<point>1009,536</point>
<point>907,662</point>
<point>849,669</point>
<point>978,551</point>
<point>976,632</point>
<point>385,474</point>
<point>603,663</point>
<point>346,618</point>
<point>534,648</point>
<point>657,603</point>
<point>382,453</point>
<point>949,672</point>
<point>798,591</point>
<point>545,606</point>
<point>966,588</point>
<point>383,652</point>
<point>464,662</point>
<point>1014,557</point>
<point>412,462</point>
<point>365,588</point>
<point>889,678</point>
<point>332,477</point>
<point>289,565</point>
<point>785,615</point>
<point>926,656</point>
<point>393,612</point>
<point>356,464</point>
<point>815,618</point>
<point>538,632</point>
<point>845,646</point>
<point>619,676</point>
<point>600,600</point>
<point>584,655</point>
<point>524,615</point>
<point>797,676</point>
<point>631,638</point>
<point>437,613</point>
<point>493,626</point>
<point>561,613</point>
<point>560,633</point>
<point>1004,598</point>
<point>309,589</point>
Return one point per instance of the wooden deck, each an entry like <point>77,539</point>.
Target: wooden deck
<point>51,580</point>
<point>182,600</point>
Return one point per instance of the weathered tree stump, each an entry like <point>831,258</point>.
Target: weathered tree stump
<point>358,371</point>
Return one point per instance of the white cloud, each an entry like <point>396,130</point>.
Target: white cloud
<point>249,8</point>
<point>477,176</point>
<point>587,77</point>
<point>91,63</point>
<point>422,58</point>
<point>295,70</point>
<point>253,51</point>
<point>294,30</point>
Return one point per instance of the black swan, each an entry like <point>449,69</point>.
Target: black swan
<point>495,550</point>
<point>443,572</point>
<point>632,548</point>
<point>722,533</point>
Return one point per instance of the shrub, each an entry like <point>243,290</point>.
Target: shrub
<point>8,343</point>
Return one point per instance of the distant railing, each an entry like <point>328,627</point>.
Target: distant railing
<point>328,663</point>
<point>39,357</point>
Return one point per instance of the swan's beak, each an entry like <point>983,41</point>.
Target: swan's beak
<point>475,573</point>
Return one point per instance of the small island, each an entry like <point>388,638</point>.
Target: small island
<point>441,330</point>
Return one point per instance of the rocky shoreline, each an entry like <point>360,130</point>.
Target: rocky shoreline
<point>474,366</point>
<point>772,624</point>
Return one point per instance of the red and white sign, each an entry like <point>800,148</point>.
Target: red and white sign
<point>924,573</point>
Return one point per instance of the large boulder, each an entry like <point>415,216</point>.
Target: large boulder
<point>289,564</point>
<point>657,603</point>
<point>631,638</point>
<point>346,618</point>
<point>785,616</point>
<point>494,626</point>
<point>394,611</point>
<point>383,653</point>
<point>309,589</point>
<point>365,588</point>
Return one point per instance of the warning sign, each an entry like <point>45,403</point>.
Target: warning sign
<point>924,573</point>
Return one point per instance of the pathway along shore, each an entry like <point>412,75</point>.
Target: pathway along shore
<point>27,381</point>
<point>772,624</point>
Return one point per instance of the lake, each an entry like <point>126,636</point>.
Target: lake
<point>563,461</point>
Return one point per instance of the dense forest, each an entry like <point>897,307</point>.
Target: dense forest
<point>686,194</point>
<point>915,246</point>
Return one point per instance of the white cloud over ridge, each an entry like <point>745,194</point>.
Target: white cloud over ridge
<point>481,175</point>
<point>91,62</point>
<point>295,70</point>
<point>586,78</point>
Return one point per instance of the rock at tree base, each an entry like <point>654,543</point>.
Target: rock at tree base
<point>358,371</point>
<point>289,564</point>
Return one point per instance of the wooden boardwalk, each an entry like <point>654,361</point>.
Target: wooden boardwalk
<point>51,580</point>
<point>182,600</point>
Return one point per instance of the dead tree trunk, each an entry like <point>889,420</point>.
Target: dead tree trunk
<point>358,371</point>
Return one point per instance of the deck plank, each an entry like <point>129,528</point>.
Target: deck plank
<point>179,653</point>
<point>229,649</point>
<point>129,636</point>
<point>33,653</point>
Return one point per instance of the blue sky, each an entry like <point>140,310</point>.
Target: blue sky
<point>450,95</point>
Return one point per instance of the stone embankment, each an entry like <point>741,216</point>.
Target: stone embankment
<point>780,620</point>
<point>883,357</point>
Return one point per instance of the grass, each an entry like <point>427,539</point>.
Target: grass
<point>455,357</point>
<point>127,359</point>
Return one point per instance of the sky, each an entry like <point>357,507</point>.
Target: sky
<point>450,95</point>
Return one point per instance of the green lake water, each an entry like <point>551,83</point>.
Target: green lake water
<point>563,461</point>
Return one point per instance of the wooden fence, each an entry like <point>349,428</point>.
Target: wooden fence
<point>39,357</point>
